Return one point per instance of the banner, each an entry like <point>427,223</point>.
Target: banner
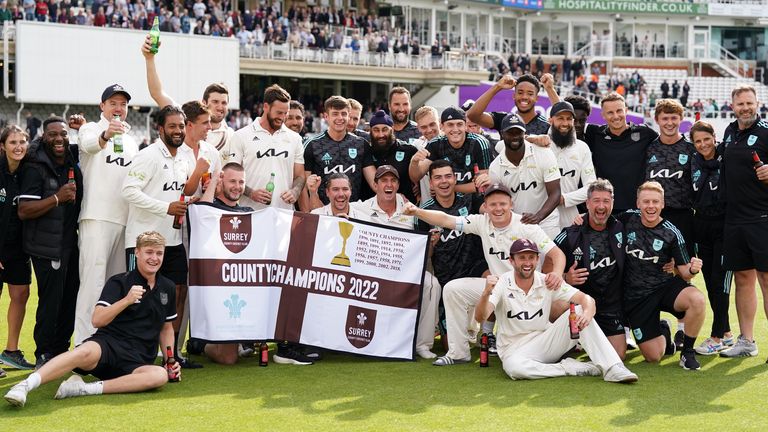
<point>329,282</point>
<point>627,6</point>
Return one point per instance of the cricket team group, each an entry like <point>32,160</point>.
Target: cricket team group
<point>614,219</point>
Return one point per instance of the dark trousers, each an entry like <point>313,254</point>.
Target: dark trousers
<point>57,286</point>
<point>709,241</point>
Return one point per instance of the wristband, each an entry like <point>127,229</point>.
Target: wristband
<point>692,272</point>
<point>57,200</point>
<point>103,137</point>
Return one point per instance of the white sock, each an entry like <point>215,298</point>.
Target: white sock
<point>681,326</point>
<point>488,326</point>
<point>33,381</point>
<point>94,388</point>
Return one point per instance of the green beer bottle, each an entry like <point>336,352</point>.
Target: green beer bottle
<point>271,188</point>
<point>117,139</point>
<point>154,36</point>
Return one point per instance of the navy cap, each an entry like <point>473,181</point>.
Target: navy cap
<point>453,113</point>
<point>512,121</point>
<point>113,90</point>
<point>562,106</point>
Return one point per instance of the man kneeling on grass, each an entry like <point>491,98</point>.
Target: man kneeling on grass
<point>530,347</point>
<point>133,314</point>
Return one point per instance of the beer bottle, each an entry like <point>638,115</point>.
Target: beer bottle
<point>117,139</point>
<point>154,36</point>
<point>171,360</point>
<point>476,171</point>
<point>484,349</point>
<point>756,160</point>
<point>263,354</point>
<point>71,176</point>
<point>574,326</point>
<point>177,220</point>
<point>270,188</point>
<point>206,176</point>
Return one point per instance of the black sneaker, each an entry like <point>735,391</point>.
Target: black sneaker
<point>679,338</point>
<point>312,353</point>
<point>195,346</point>
<point>667,333</point>
<point>42,360</point>
<point>186,363</point>
<point>289,354</point>
<point>492,345</point>
<point>15,359</point>
<point>688,360</point>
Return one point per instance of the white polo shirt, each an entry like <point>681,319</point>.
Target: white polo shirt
<point>370,211</point>
<point>154,180</point>
<point>526,181</point>
<point>326,210</point>
<point>519,314</point>
<point>261,154</point>
<point>575,162</point>
<point>497,241</point>
<point>207,152</point>
<point>103,173</point>
<point>221,139</point>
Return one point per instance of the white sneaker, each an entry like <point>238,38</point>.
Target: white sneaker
<point>709,347</point>
<point>425,353</point>
<point>74,386</point>
<point>619,373</point>
<point>574,367</point>
<point>17,395</point>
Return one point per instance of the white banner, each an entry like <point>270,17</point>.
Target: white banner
<point>275,274</point>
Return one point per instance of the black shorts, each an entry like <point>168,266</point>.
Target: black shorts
<point>644,314</point>
<point>18,270</point>
<point>745,247</point>
<point>611,323</point>
<point>117,358</point>
<point>174,265</point>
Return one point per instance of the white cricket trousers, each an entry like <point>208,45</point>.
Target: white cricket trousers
<point>428,314</point>
<point>459,298</point>
<point>537,355</point>
<point>102,255</point>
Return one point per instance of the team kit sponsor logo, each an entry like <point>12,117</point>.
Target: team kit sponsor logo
<point>310,279</point>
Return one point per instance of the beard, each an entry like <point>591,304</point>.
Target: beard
<point>274,122</point>
<point>169,140</point>
<point>562,140</point>
<point>399,117</point>
<point>382,144</point>
<point>514,145</point>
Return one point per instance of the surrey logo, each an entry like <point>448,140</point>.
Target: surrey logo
<point>235,305</point>
<point>2,195</point>
<point>361,325</point>
<point>235,231</point>
<point>399,156</point>
<point>682,158</point>
<point>751,140</point>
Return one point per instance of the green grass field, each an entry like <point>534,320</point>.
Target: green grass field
<point>344,391</point>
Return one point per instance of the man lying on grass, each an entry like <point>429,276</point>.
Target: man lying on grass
<point>133,314</point>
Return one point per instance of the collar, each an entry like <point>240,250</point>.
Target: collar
<point>256,124</point>
<point>504,161</point>
<point>374,203</point>
<point>166,153</point>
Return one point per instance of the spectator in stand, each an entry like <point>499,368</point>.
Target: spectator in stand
<point>5,13</point>
<point>675,89</point>
<point>566,69</point>
<point>686,92</point>
<point>665,90</point>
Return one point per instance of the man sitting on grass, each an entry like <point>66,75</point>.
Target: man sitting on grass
<point>133,314</point>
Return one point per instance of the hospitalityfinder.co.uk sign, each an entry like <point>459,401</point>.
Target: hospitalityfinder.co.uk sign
<point>627,6</point>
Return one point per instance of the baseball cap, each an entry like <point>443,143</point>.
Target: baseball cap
<point>113,90</point>
<point>561,106</point>
<point>512,121</point>
<point>497,187</point>
<point>379,118</point>
<point>453,113</point>
<point>386,169</point>
<point>523,245</point>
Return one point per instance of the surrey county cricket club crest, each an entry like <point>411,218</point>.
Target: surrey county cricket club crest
<point>361,324</point>
<point>235,231</point>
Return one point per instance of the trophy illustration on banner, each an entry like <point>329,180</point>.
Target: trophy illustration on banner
<point>345,229</point>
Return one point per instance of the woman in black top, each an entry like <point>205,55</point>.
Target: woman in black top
<point>15,267</point>
<point>708,224</point>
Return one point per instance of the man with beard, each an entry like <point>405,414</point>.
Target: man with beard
<point>527,89</point>
<point>746,217</point>
<point>295,118</point>
<point>353,124</point>
<point>574,160</point>
<point>388,150</point>
<point>465,151</point>
<point>387,208</point>
<point>532,347</point>
<point>104,213</point>
<point>581,109</point>
<point>531,173</point>
<point>156,178</point>
<point>497,229</point>
<point>269,151</point>
<point>50,196</point>
<point>594,257</point>
<point>337,150</point>
<point>338,191</point>
<point>651,242</point>
<point>215,97</point>
<point>618,150</point>
<point>400,109</point>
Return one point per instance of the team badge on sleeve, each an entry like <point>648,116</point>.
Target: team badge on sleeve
<point>657,244</point>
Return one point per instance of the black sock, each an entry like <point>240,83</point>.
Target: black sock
<point>688,343</point>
